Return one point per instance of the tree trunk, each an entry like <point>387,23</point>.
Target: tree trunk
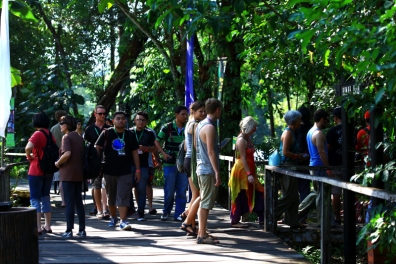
<point>121,73</point>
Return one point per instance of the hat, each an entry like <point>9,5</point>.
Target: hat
<point>337,112</point>
<point>367,115</point>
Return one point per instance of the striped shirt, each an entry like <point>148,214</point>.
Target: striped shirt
<point>172,137</point>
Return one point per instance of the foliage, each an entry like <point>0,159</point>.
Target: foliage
<point>381,229</point>
<point>311,253</point>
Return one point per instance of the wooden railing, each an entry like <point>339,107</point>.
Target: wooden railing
<point>272,173</point>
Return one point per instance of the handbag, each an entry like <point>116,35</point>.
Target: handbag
<point>274,159</point>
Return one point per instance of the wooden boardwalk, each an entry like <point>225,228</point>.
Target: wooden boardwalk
<point>156,241</point>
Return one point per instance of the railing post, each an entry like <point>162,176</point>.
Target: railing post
<point>5,184</point>
<point>325,223</point>
<point>271,201</point>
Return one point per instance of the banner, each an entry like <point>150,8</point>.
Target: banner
<point>189,85</point>
<point>5,70</point>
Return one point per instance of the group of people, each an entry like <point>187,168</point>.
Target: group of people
<point>128,156</point>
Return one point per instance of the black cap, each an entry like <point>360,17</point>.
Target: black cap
<point>337,112</point>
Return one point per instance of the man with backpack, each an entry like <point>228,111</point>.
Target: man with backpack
<point>172,134</point>
<point>145,139</point>
<point>91,134</point>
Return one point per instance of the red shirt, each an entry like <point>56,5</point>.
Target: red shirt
<point>39,141</point>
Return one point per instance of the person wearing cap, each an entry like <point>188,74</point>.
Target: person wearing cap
<point>363,138</point>
<point>334,146</point>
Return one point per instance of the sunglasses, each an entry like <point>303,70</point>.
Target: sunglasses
<point>101,113</point>
<point>62,123</point>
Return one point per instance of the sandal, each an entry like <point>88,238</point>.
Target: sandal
<point>106,215</point>
<point>188,229</point>
<point>183,216</point>
<point>43,229</point>
<point>207,240</point>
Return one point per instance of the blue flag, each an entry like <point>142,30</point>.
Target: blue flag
<point>189,97</point>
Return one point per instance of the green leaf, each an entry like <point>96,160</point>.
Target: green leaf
<point>388,4</point>
<point>15,77</point>
<point>326,63</point>
<point>379,94</point>
<point>166,71</point>
<point>105,4</point>
<point>23,11</point>
<point>293,2</point>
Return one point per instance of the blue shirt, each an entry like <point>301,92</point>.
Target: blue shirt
<point>315,159</point>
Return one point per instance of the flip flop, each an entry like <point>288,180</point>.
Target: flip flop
<point>207,240</point>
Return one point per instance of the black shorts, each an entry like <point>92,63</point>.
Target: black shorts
<point>187,167</point>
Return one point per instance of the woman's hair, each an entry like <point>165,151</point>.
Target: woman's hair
<point>196,105</point>
<point>291,117</point>
<point>70,122</point>
<point>247,124</point>
<point>40,120</point>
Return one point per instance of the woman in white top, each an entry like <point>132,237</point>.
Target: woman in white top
<point>197,113</point>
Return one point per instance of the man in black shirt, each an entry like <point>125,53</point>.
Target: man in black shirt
<point>91,134</point>
<point>334,145</point>
<point>145,139</point>
<point>119,149</point>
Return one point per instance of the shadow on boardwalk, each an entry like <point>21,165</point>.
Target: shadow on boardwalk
<point>156,241</point>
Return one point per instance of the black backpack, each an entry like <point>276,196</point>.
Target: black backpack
<point>50,155</point>
<point>92,162</point>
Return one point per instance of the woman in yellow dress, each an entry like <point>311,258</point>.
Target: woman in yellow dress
<point>247,193</point>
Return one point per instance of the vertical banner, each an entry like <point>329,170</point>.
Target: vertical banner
<point>189,85</point>
<point>5,70</point>
<point>10,142</point>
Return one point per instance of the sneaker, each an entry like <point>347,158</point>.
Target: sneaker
<point>82,233</point>
<point>113,222</point>
<point>164,217</point>
<point>125,226</point>
<point>67,234</point>
<point>99,215</point>
<point>180,218</point>
<point>141,218</point>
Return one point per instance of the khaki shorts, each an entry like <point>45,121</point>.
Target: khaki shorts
<point>207,190</point>
<point>118,189</point>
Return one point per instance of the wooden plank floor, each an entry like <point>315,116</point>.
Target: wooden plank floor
<point>155,241</point>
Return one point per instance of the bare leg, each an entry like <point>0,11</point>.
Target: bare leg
<point>203,219</point>
<point>98,199</point>
<point>61,193</point>
<point>104,200</point>
<point>39,222</point>
<point>47,217</point>
<point>123,210</point>
<point>113,211</point>
<point>194,205</point>
<point>93,196</point>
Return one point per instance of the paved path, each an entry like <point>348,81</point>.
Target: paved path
<point>156,241</point>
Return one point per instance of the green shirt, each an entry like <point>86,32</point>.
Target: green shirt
<point>172,137</point>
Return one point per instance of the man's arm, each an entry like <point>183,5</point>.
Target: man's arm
<point>208,136</point>
<point>136,160</point>
<point>157,144</point>
<point>319,141</point>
